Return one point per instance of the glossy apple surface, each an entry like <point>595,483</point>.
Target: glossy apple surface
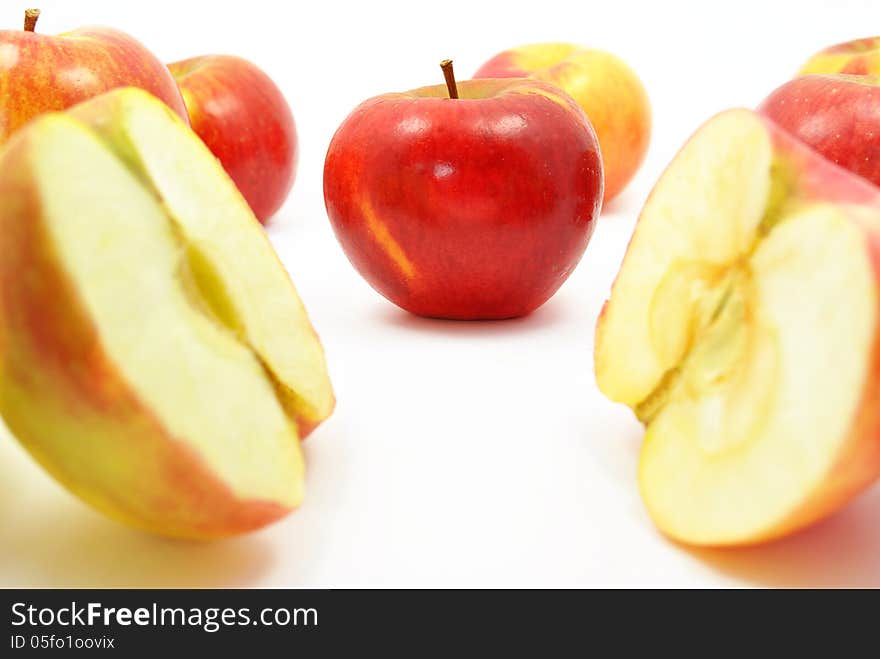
<point>471,208</point>
<point>744,331</point>
<point>837,115</point>
<point>856,57</point>
<point>608,90</point>
<point>40,73</point>
<point>242,116</point>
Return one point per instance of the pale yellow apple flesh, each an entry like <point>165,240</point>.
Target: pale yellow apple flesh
<point>233,265</point>
<point>741,329</point>
<point>157,359</point>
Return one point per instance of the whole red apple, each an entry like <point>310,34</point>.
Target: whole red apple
<point>837,115</point>
<point>40,73</point>
<point>471,201</point>
<point>242,116</point>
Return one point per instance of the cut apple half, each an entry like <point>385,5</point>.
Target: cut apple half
<point>742,330</point>
<point>156,358</point>
<point>233,266</point>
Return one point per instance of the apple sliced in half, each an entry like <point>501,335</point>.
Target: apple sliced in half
<point>155,356</point>
<point>229,261</point>
<point>743,331</point>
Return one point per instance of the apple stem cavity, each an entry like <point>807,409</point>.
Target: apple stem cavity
<point>30,19</point>
<point>449,74</point>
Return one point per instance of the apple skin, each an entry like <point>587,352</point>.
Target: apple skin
<point>609,92</point>
<point>242,116</point>
<point>471,208</point>
<point>837,115</point>
<point>42,73</point>
<point>857,57</point>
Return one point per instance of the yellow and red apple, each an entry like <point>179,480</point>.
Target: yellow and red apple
<point>242,116</point>
<point>475,207</point>
<point>41,73</point>
<point>856,57</point>
<point>744,331</point>
<point>155,356</point>
<point>837,115</point>
<point>608,90</point>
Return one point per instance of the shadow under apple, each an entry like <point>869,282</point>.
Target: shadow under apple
<point>50,539</point>
<point>839,552</point>
<point>842,551</point>
<point>546,316</point>
<point>627,203</point>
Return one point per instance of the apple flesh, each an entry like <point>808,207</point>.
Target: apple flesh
<point>837,115</point>
<point>471,208</point>
<point>42,73</point>
<point>243,118</point>
<point>609,92</point>
<point>157,360</point>
<point>744,331</point>
<point>857,57</point>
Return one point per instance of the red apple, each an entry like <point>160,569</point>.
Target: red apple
<point>473,207</point>
<point>837,115</point>
<point>243,118</point>
<point>40,73</point>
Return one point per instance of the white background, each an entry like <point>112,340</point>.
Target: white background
<point>460,454</point>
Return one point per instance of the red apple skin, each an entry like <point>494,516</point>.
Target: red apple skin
<point>471,208</point>
<point>42,73</point>
<point>837,115</point>
<point>242,116</point>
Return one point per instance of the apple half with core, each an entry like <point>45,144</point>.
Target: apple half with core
<point>471,201</point>
<point>243,118</point>
<point>837,115</point>
<point>608,90</point>
<point>744,330</point>
<point>41,73</point>
<point>856,57</point>
<point>156,358</point>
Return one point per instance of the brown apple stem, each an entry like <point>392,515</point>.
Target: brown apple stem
<point>30,19</point>
<point>446,65</point>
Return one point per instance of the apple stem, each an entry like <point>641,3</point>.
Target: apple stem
<point>30,19</point>
<point>446,65</point>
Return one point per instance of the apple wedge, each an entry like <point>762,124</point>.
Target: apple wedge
<point>156,358</point>
<point>743,331</point>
